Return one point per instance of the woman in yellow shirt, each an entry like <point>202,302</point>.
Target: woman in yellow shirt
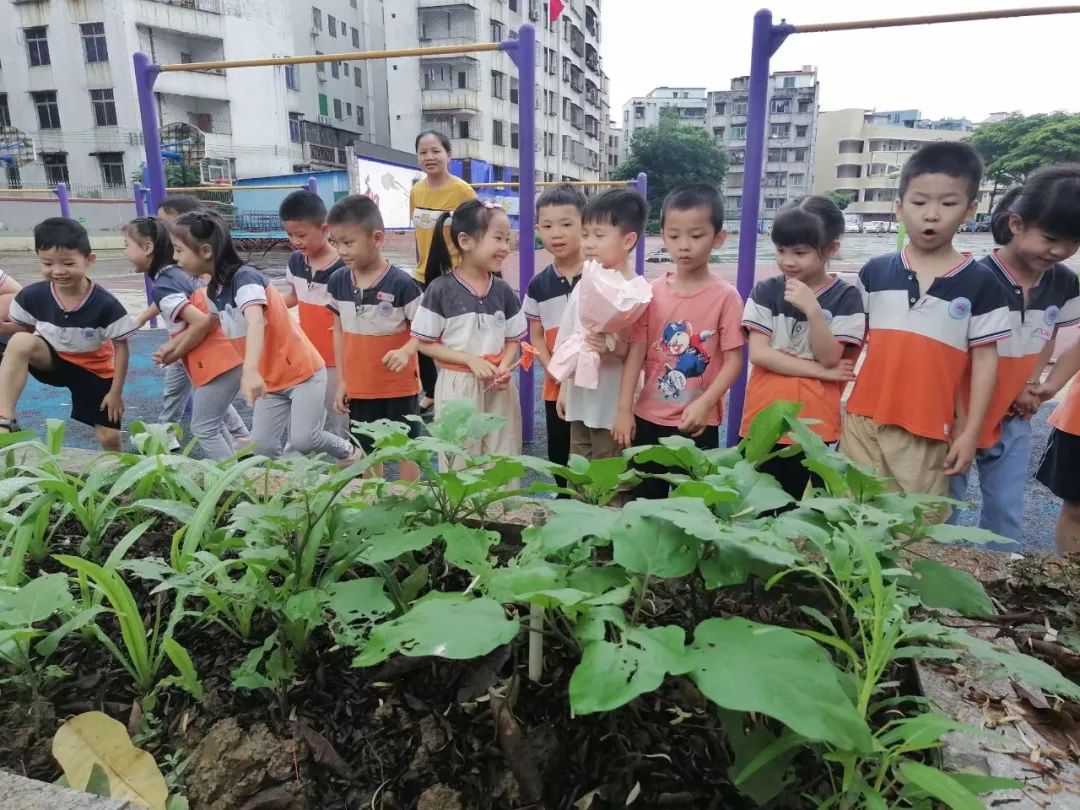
<point>437,193</point>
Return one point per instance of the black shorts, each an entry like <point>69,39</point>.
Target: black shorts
<point>395,409</point>
<point>1059,469</point>
<point>790,473</point>
<point>87,389</point>
<point>652,433</point>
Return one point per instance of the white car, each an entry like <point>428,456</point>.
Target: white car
<point>894,227</point>
<point>852,227</point>
<point>875,226</point>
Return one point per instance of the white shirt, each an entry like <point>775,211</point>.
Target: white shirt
<point>595,407</point>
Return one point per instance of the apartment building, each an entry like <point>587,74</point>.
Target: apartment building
<point>860,154</point>
<point>790,132</point>
<point>473,98</point>
<point>614,150</point>
<point>641,112</point>
<point>68,108</point>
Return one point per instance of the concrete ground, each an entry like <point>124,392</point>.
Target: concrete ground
<point>143,389</point>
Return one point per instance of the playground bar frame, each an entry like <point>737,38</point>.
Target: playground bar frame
<point>522,51</point>
<point>767,39</point>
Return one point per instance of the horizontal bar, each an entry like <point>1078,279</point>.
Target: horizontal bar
<point>931,19</point>
<point>355,56</point>
<point>26,191</point>
<point>617,183</point>
<point>182,189</point>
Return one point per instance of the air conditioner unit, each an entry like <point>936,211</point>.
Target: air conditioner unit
<point>322,77</point>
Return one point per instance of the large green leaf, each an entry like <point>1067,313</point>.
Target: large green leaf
<point>468,548</point>
<point>612,674</point>
<point>645,543</point>
<point>767,428</point>
<point>35,601</point>
<point>941,786</point>
<point>393,544</point>
<point>774,671</point>
<point>359,599</point>
<point>570,523</point>
<point>944,533</point>
<point>940,586</point>
<point>443,625</point>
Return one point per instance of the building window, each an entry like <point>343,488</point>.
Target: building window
<point>352,3</point>
<point>497,133</point>
<point>359,115</point>
<point>798,155</point>
<point>496,30</point>
<point>718,132</point>
<point>324,104</point>
<point>738,108</point>
<point>14,180</point>
<point>56,168</point>
<point>777,155</point>
<point>804,106</point>
<point>355,34</point>
<point>93,37</point>
<point>5,112</point>
<point>738,132</point>
<point>348,109</point>
<point>719,107</point>
<point>294,127</point>
<point>337,109</point>
<point>797,179</point>
<point>47,110</point>
<point>112,169</point>
<point>292,77</point>
<point>331,25</point>
<point>316,19</point>
<point>779,130</point>
<point>37,46</point>
<point>800,130</point>
<point>781,106</point>
<point>463,128</point>
<point>104,107</point>
<point>463,80</point>
<point>498,89</point>
<point>185,58</point>
<point>513,5</point>
<point>344,28</point>
<point>513,136</point>
<point>335,70</point>
<point>358,77</point>
<point>789,82</point>
<point>320,67</point>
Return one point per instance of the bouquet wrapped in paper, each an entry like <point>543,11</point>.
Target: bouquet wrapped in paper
<point>607,303</point>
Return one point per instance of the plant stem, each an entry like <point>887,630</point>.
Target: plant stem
<point>536,643</point>
<point>638,600</point>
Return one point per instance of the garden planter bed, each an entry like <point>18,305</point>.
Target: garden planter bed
<point>299,639</point>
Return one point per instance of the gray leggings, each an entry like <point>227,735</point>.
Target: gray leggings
<point>209,409</point>
<point>300,410</point>
<point>178,388</point>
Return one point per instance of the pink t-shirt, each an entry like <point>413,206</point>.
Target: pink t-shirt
<point>686,336</point>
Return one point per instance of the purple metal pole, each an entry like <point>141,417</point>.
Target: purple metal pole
<point>312,185</point>
<point>140,200</point>
<point>61,192</point>
<point>767,38</point>
<point>523,51</point>
<point>146,73</point>
<point>642,186</point>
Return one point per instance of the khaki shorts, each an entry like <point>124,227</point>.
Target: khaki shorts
<point>913,464</point>
<point>592,443</point>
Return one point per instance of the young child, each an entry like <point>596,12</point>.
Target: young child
<point>558,220</point>
<point>932,312</point>
<point>283,376</point>
<point>148,246</point>
<point>1057,470</point>
<point>437,193</point>
<point>471,323</point>
<point>373,304</point>
<point>176,204</point>
<point>689,340</point>
<point>308,272</point>
<point>612,224</point>
<point>805,329</point>
<point>1038,227</point>
<point>73,335</point>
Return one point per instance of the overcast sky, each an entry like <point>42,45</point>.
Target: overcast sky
<point>957,70</point>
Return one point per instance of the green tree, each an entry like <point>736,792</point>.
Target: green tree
<point>842,200</point>
<point>673,154</point>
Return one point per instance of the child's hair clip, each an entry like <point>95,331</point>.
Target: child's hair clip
<point>489,204</point>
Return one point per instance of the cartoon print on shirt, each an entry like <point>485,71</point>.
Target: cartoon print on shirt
<point>689,358</point>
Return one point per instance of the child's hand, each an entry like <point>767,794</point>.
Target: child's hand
<point>113,405</point>
<point>844,371</point>
<point>596,342</point>
<point>501,381</point>
<point>340,405</point>
<point>252,387</point>
<point>624,428</point>
<point>560,403</point>
<point>695,418</point>
<point>396,359</point>
<point>800,296</point>
<point>1043,392</point>
<point>483,369</point>
<point>1027,404</point>
<point>961,454</point>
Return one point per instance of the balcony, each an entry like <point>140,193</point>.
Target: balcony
<point>204,84</point>
<point>450,101</point>
<point>453,24</point>
<point>446,5</point>
<point>197,17</point>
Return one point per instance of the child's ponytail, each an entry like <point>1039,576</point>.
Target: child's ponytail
<point>156,232</point>
<point>439,260</point>
<point>1050,199</point>
<point>199,228</point>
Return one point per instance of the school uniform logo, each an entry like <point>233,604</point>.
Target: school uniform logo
<point>89,334</point>
<point>960,308</point>
<point>500,320</point>
<point>1051,315</point>
<point>385,309</point>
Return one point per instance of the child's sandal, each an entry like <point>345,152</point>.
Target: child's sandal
<point>9,425</point>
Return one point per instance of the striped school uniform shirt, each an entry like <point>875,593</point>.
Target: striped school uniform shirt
<point>919,342</point>
<point>768,313</point>
<point>313,298</point>
<point>545,302</point>
<point>82,335</point>
<point>375,320</point>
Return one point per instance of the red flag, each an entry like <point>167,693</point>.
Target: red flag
<point>556,8</point>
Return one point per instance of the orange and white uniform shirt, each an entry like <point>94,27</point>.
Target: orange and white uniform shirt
<point>768,313</point>
<point>919,342</point>
<point>545,302</point>
<point>83,335</point>
<point>288,358</point>
<point>375,320</point>
<point>313,299</point>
